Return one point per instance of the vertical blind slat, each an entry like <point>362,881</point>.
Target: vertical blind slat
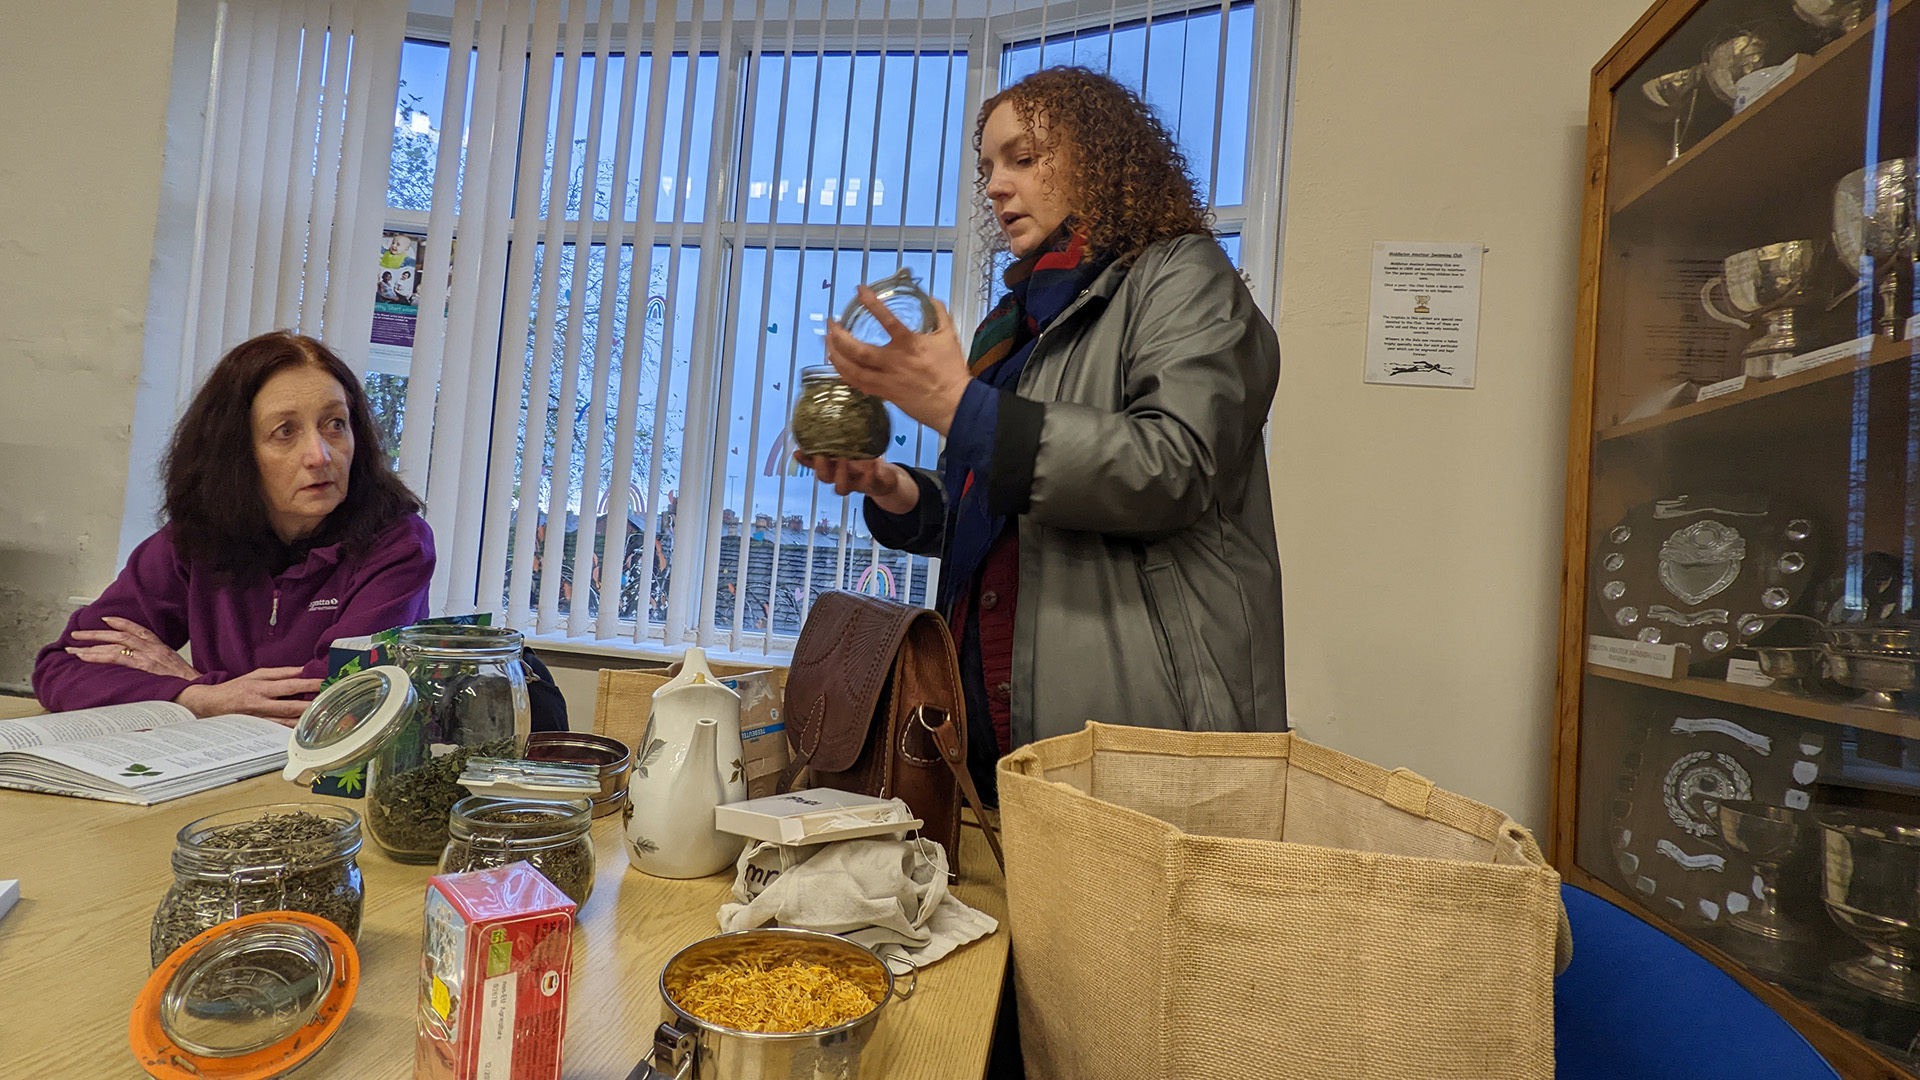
<point>188,367</point>
<point>576,353</point>
<point>372,86</point>
<point>326,186</point>
<point>610,292</point>
<point>212,323</point>
<point>299,194</point>
<point>561,489</point>
<point>793,359</point>
<point>516,322</point>
<point>244,239</point>
<point>688,588</point>
<point>463,306</point>
<point>682,194</point>
<point>525,528</point>
<point>276,166</point>
<point>484,350</point>
<point>435,267</point>
<point>761,336</point>
<point>655,468</point>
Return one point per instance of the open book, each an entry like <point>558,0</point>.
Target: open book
<point>142,753</point>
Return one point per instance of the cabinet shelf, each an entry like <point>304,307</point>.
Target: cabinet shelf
<point>1798,392</point>
<point>1824,710</point>
<point>1725,180</point>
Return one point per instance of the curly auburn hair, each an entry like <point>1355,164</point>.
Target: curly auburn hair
<point>1128,184</point>
<point>215,508</point>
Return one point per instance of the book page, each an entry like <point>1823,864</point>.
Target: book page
<point>86,723</point>
<point>139,759</point>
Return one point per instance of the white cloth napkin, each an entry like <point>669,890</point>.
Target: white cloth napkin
<point>889,895</point>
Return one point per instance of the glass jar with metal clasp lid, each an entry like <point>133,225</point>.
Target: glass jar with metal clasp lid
<point>832,419</point>
<point>454,693</point>
<point>552,835</point>
<point>281,857</point>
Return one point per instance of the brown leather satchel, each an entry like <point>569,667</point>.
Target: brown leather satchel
<point>873,705</point>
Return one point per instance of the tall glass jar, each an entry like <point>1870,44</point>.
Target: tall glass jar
<point>553,835</point>
<point>472,702</point>
<point>281,857</point>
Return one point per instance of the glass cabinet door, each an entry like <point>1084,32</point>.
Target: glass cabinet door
<point>1748,700</point>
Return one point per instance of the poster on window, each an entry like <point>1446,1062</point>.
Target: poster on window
<point>395,304</point>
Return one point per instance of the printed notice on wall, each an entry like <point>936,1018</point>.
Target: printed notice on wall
<point>1423,321</point>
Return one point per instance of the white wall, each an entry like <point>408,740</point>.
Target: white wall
<point>85,83</point>
<point>1420,528</point>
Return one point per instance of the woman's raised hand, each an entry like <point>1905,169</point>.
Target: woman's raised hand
<point>924,374</point>
<point>885,483</point>
<point>129,644</point>
<point>263,692</point>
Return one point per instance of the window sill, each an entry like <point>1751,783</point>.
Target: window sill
<point>654,651</point>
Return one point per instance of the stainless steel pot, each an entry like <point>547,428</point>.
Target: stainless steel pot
<point>688,1048</point>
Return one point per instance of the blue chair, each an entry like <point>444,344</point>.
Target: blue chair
<point>1637,1004</point>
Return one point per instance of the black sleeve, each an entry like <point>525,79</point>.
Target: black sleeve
<point>919,531</point>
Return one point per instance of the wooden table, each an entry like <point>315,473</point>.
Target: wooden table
<point>73,953</point>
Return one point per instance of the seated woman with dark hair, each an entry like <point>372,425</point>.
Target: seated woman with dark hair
<point>286,528</point>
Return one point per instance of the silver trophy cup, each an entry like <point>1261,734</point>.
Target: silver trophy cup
<point>1871,885</point>
<point>1766,283</point>
<point>1733,56</point>
<point>1768,836</point>
<point>1873,232</point>
<point>1671,99</point>
<point>1834,18</point>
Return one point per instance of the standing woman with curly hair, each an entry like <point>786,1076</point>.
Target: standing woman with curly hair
<point>1101,506</point>
<point>286,529</point>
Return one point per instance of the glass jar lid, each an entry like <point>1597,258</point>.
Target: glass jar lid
<point>347,722</point>
<point>250,999</point>
<point>515,778</point>
<point>899,293</point>
<point>455,642</point>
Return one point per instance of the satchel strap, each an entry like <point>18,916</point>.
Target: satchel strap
<point>939,723</point>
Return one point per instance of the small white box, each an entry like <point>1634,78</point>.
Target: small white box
<point>9,892</point>
<point>814,816</point>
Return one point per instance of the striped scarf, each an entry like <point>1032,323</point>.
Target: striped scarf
<point>1039,288</point>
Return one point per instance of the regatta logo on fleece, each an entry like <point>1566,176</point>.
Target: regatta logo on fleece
<point>324,605</point>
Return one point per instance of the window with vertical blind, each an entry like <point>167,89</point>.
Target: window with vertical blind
<point>631,236</point>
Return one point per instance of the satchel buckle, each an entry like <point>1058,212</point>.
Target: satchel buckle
<point>938,722</point>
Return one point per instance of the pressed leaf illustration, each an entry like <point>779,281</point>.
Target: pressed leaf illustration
<point>647,758</point>
<point>737,770</point>
<point>140,770</point>
<point>643,846</point>
<point>352,779</point>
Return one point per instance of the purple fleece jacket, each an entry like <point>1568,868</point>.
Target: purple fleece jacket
<point>288,621</point>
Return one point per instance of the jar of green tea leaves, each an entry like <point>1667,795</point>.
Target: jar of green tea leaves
<point>471,690</point>
<point>282,857</point>
<point>553,835</point>
<point>832,419</point>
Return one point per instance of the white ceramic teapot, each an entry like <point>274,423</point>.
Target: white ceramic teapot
<point>690,761</point>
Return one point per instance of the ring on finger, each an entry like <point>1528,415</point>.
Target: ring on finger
<point>124,651</point>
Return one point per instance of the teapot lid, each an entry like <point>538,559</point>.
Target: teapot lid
<point>347,722</point>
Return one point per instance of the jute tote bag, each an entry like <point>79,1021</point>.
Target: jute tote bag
<point>1202,904</point>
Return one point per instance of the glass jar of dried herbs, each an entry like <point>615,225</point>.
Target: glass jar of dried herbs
<point>472,702</point>
<point>551,834</point>
<point>833,419</point>
<point>281,857</point>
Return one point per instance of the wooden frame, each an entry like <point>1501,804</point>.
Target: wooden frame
<point>1709,162</point>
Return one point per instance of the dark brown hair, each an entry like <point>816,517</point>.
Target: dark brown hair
<point>1129,183</point>
<point>214,505</point>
